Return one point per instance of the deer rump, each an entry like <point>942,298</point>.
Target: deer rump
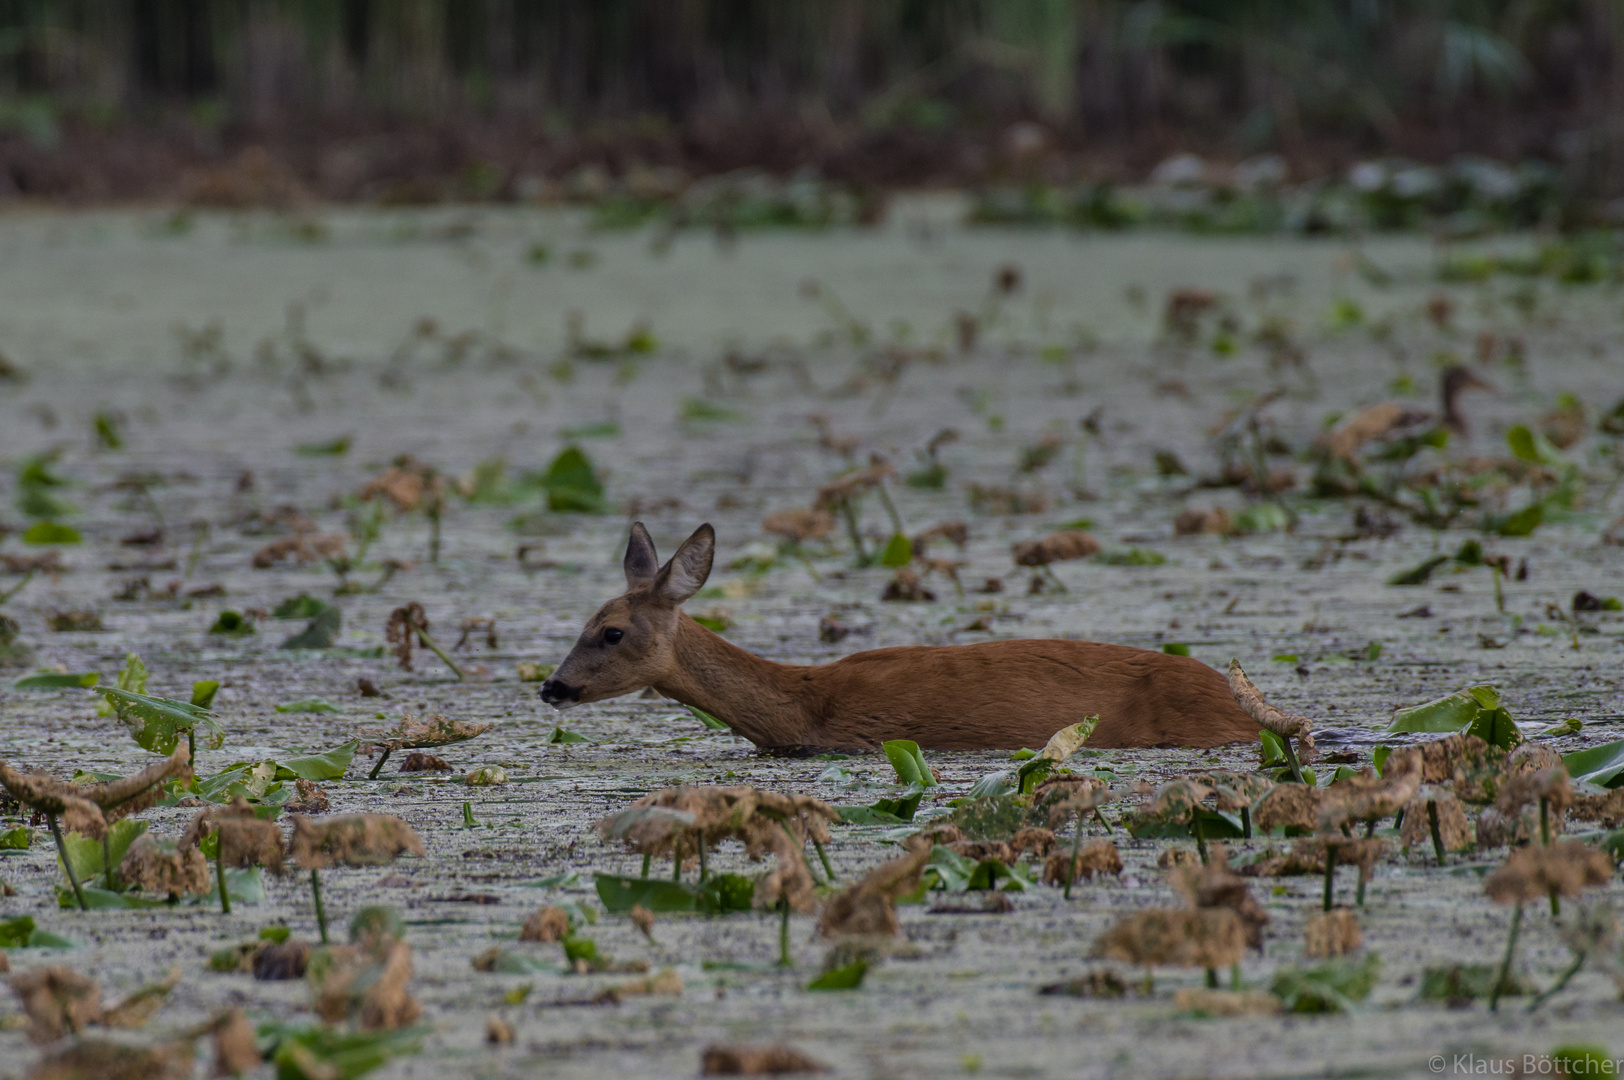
<point>1009,694</point>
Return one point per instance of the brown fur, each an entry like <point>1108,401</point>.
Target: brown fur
<point>988,695</point>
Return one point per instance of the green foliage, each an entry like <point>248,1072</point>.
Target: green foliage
<point>329,765</point>
<point>1175,648</point>
<point>720,893</point>
<point>1457,983</point>
<point>1519,523</point>
<point>898,810</point>
<point>564,735</point>
<point>308,705</point>
<point>1335,986</point>
<point>849,977</point>
<point>57,680</point>
<point>1133,556</point>
<point>20,838</point>
<point>322,631</point>
<point>699,411</point>
<point>572,484</point>
<point>91,859</point>
<point>1475,710</point>
<point>909,763</point>
<point>203,692</point>
<point>951,872</point>
<point>318,1052</point>
<point>333,448</point>
<point>1602,765</point>
<point>303,606</point>
<point>708,720</point>
<point>51,532</point>
<point>898,551</point>
<point>233,624</point>
<point>157,723</point>
<point>1418,574</point>
<point>108,435</point>
<point>21,933</point>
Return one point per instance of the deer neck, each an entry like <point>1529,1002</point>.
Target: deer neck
<point>751,695</point>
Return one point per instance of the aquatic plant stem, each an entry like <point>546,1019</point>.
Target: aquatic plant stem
<point>1212,978</point>
<point>428,643</point>
<point>383,757</point>
<point>646,860</point>
<point>220,875</point>
<point>1561,982</point>
<point>852,532</point>
<point>1246,823</point>
<point>783,935</point>
<point>67,863</point>
<point>704,869</point>
<point>107,860</point>
<point>823,857</point>
<point>1291,759</point>
<point>1200,837</point>
<point>890,508</point>
<point>315,895</point>
<point>1330,874</point>
<point>1505,965</point>
<point>1437,834</point>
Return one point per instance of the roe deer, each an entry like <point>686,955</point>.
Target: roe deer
<point>992,695</point>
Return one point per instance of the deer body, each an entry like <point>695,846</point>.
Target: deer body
<point>992,695</point>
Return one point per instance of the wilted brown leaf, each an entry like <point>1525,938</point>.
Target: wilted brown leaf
<point>1216,886</point>
<point>548,924</point>
<point>236,1048</point>
<point>1060,546</point>
<point>1094,857</point>
<point>1534,872</point>
<point>104,1059</point>
<point>154,866</point>
<point>718,1060</point>
<point>1332,933</point>
<point>58,1001</point>
<point>1182,937</point>
<point>799,525</point>
<point>869,907</point>
<point>352,840</point>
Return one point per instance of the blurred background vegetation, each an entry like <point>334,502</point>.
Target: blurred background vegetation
<point>260,101</point>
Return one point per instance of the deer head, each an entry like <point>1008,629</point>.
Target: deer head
<point>627,645</point>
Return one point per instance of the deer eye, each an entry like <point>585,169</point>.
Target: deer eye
<point>612,637</point>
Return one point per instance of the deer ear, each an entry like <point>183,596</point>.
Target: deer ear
<point>641,562</point>
<point>685,574</point>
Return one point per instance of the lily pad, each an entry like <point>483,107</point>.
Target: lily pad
<point>308,705</point>
<point>57,680</point>
<point>1602,765</point>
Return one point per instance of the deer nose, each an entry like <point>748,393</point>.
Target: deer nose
<point>554,692</point>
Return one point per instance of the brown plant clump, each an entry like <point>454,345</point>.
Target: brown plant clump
<point>719,1060</point>
<point>1368,425</point>
<point>1178,856</point>
<point>1060,546</point>
<point>1226,1003</point>
<point>308,799</point>
<point>498,1032</point>
<point>1368,797</point>
<point>376,995</point>
<point>1095,857</point>
<point>352,840</point>
<point>674,821</point>
<point>1216,886</point>
<point>1454,829</point>
<point>58,1001</point>
<point>833,495</point>
<point>88,809</point>
<point>405,622</point>
<point>302,549</point>
<point>278,961</point>
<point>1288,805</point>
<point>1606,810</point>
<point>869,907</point>
<point>547,924</point>
<point>417,761</point>
<point>245,840</point>
<point>1333,933</point>
<point>1177,937</point>
<point>1530,787</point>
<point>907,586</point>
<point>406,484</point>
<point>1532,873</point>
<point>799,525</point>
<point>1495,829</point>
<point>152,866</point>
<point>1031,839</point>
<point>236,1046</point>
<point>1193,522</point>
<point>104,1059</point>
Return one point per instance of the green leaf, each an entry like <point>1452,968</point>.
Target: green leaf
<point>898,551</point>
<point>233,624</point>
<point>55,680</point>
<point>893,811</point>
<point>708,720</point>
<point>564,880</point>
<point>621,894</point>
<point>572,483</point>
<point>1262,517</point>
<point>1530,445</point>
<point>905,758</point>
<point>303,606</point>
<point>1418,575</point>
<point>203,692</point>
<point>87,854</point>
<point>14,933</point>
<point>1444,715</point>
<point>1457,983</point>
<point>698,410</point>
<point>1061,745</point>
<point>324,766</point>
<point>1175,648</point>
<point>849,977</point>
<point>564,735</point>
<point>1602,765</point>
<point>317,1052</point>
<point>600,429</point>
<point>322,631</point>
<point>994,784</point>
<point>1379,757</point>
<point>18,839</point>
<point>51,532</point>
<point>246,886</point>
<point>157,723</point>
<point>712,623</point>
<point>1522,523</point>
<point>1274,750</point>
<point>308,705</point>
<point>335,448</point>
<point>1215,825</point>
<point>1133,556</point>
<point>1334,986</point>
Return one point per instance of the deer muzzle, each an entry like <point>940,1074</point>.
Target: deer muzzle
<point>560,695</point>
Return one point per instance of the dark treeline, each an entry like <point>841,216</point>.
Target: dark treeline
<point>118,98</point>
